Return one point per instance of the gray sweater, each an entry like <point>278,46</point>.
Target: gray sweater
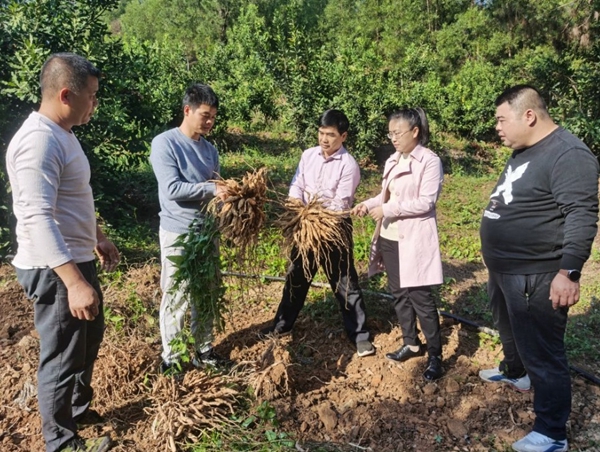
<point>183,167</point>
<point>52,198</point>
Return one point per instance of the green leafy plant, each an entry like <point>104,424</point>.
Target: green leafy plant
<point>198,274</point>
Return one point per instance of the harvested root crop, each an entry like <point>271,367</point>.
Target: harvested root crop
<point>182,411</point>
<point>313,231</point>
<point>242,215</point>
<point>271,380</point>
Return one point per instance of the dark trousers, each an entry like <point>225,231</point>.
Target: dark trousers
<point>411,303</point>
<point>532,335</point>
<point>343,279</point>
<point>68,349</point>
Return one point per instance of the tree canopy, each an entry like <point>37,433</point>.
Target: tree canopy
<point>277,64</point>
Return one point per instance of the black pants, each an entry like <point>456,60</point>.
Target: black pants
<point>532,335</point>
<point>68,349</point>
<point>411,302</point>
<point>343,279</point>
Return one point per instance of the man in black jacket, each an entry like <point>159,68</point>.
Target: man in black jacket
<point>536,234</point>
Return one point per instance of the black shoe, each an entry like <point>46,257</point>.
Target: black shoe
<point>434,368</point>
<point>404,353</point>
<point>272,331</point>
<point>210,359</point>
<point>170,369</point>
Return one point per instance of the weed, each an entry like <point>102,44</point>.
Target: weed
<point>256,430</point>
<point>583,331</point>
<point>115,320</point>
<point>198,273</point>
<point>489,341</point>
<point>460,208</point>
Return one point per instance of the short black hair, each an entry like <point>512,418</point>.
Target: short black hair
<point>66,70</point>
<point>415,117</point>
<point>523,97</point>
<point>335,118</point>
<point>198,94</point>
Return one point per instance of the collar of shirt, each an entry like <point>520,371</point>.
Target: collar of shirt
<point>336,155</point>
<point>417,153</point>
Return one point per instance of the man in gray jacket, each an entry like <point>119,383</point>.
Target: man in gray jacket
<point>184,163</point>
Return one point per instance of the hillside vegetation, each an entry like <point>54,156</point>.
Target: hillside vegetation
<point>277,64</point>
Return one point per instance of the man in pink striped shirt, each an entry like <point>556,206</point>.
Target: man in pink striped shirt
<point>330,173</point>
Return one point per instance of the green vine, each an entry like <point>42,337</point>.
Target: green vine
<point>198,274</point>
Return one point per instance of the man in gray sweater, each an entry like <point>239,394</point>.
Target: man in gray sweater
<point>184,163</point>
<point>57,235</point>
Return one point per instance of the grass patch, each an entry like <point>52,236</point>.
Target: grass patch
<point>583,329</point>
<point>460,208</point>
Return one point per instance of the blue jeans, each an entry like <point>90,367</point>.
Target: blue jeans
<point>532,335</point>
<point>68,349</point>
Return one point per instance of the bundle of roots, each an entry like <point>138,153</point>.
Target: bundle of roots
<point>183,411</point>
<point>312,231</point>
<point>241,215</point>
<point>270,379</point>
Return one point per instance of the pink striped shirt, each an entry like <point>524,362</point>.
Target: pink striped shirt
<point>332,179</point>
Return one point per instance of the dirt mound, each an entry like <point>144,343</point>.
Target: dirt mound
<point>324,395</point>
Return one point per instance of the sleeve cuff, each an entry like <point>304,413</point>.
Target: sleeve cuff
<point>570,262</point>
<point>387,211</point>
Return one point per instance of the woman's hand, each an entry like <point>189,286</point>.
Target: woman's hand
<point>376,213</point>
<point>360,210</point>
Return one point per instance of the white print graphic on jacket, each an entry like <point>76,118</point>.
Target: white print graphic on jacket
<point>506,187</point>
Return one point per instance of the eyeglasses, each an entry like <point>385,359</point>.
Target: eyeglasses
<point>392,135</point>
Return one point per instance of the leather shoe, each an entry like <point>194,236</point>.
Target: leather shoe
<point>404,353</point>
<point>434,368</point>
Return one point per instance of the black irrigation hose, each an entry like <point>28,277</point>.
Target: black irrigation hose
<point>483,329</point>
<point>492,332</point>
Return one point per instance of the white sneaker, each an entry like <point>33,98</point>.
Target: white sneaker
<point>364,348</point>
<point>536,442</point>
<point>494,375</point>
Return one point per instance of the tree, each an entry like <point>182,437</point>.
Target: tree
<point>140,90</point>
<point>198,25</point>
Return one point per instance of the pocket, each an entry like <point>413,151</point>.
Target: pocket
<point>37,282</point>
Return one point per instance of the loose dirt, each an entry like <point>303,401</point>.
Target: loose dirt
<point>324,395</point>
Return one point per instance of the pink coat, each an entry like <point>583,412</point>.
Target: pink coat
<point>418,189</point>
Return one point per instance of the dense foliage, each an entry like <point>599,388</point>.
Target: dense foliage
<point>277,64</point>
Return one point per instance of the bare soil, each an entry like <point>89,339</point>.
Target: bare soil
<point>325,396</point>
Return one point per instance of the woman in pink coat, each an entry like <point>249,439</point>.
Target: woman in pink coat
<point>405,242</point>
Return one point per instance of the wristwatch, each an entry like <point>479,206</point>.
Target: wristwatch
<point>573,275</point>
